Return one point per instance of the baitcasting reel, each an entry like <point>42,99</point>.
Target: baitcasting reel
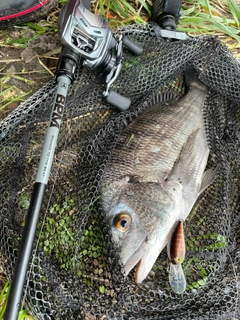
<point>87,36</point>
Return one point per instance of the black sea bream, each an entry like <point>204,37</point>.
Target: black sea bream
<point>155,175</point>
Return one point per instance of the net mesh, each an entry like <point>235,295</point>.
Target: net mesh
<point>75,272</point>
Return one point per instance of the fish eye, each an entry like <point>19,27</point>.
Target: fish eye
<point>122,222</point>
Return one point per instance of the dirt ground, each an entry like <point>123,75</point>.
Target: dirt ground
<point>29,68</point>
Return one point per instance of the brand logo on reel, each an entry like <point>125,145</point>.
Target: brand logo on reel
<point>58,111</point>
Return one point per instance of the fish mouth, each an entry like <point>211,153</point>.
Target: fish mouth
<point>144,257</point>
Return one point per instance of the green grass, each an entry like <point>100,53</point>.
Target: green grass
<point>198,16</point>
<point>10,94</point>
<point>198,271</point>
<point>202,18</point>
<point>23,314</point>
<point>123,12</point>
<point>58,239</point>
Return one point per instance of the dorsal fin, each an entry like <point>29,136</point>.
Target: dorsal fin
<point>162,98</point>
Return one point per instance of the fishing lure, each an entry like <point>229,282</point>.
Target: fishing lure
<point>176,255</point>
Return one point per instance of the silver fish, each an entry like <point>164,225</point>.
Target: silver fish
<point>154,177</point>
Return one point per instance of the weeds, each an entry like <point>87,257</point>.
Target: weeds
<point>9,94</point>
<point>23,314</point>
<point>202,17</point>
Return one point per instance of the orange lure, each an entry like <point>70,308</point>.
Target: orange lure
<point>177,245</point>
<point>176,256</point>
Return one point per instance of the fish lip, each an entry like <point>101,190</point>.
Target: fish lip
<point>136,257</point>
<point>139,258</point>
<point>144,258</point>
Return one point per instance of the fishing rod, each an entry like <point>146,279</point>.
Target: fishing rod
<point>86,40</point>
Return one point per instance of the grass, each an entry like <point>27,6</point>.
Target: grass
<point>23,314</point>
<point>202,18</point>
<point>58,239</point>
<point>197,271</point>
<point>9,94</point>
<point>122,12</point>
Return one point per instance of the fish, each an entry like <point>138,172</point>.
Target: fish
<point>154,176</point>
<point>176,255</point>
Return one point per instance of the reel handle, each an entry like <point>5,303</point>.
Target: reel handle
<point>118,101</point>
<point>132,46</point>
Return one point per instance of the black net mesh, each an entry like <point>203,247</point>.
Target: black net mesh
<point>75,272</point>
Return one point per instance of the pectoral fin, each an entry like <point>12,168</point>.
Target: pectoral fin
<point>208,177</point>
<point>189,166</point>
